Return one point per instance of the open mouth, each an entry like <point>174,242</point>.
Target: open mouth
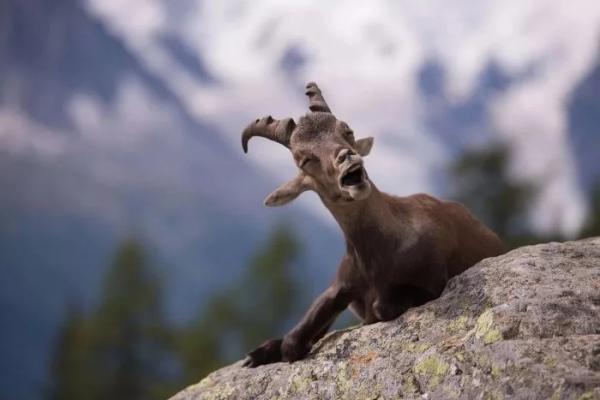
<point>353,176</point>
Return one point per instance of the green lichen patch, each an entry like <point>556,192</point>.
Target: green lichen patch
<point>299,383</point>
<point>496,372</point>
<point>418,348</point>
<point>343,380</point>
<point>457,325</point>
<point>494,395</point>
<point>589,396</point>
<point>432,366</point>
<point>485,330</point>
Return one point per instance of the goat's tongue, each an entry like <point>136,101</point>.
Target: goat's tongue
<point>352,178</point>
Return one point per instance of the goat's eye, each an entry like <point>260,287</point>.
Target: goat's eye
<point>304,162</point>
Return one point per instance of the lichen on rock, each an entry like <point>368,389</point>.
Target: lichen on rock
<point>523,325</point>
<point>485,329</point>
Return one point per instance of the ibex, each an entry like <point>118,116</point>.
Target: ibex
<point>400,251</point>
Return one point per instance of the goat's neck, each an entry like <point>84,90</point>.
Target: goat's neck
<point>359,217</point>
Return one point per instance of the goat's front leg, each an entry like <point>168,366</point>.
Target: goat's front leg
<point>297,343</point>
<point>267,353</point>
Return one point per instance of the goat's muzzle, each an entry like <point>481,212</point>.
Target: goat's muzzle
<point>353,180</point>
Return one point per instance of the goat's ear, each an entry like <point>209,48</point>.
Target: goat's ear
<point>288,191</point>
<point>364,146</point>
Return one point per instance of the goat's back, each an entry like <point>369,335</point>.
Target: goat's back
<point>460,238</point>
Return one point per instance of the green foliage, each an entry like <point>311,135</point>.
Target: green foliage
<point>267,295</point>
<point>254,309</point>
<point>480,181</point>
<point>592,224</point>
<point>71,363</point>
<point>130,341</point>
<point>118,351</point>
<point>125,350</point>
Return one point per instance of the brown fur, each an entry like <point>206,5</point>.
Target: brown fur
<point>400,251</point>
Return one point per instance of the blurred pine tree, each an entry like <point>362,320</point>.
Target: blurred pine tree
<point>480,180</point>
<point>130,337</point>
<point>255,309</point>
<point>592,225</point>
<point>71,367</point>
<point>122,351</point>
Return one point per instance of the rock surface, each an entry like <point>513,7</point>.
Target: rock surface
<point>525,325</point>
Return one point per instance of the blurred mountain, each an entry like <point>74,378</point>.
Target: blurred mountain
<point>584,128</point>
<point>95,147</point>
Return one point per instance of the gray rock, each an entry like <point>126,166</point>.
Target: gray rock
<point>525,325</point>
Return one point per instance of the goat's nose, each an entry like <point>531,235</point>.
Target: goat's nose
<point>344,155</point>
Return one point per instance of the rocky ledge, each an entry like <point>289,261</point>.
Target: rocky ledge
<point>525,325</point>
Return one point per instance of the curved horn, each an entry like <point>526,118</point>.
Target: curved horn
<point>277,130</point>
<point>315,98</point>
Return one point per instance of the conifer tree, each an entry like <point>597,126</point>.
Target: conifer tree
<point>71,368</point>
<point>130,340</point>
<point>591,227</point>
<point>252,310</point>
<point>122,350</point>
<point>481,181</point>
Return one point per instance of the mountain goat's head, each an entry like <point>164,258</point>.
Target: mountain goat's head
<point>324,149</point>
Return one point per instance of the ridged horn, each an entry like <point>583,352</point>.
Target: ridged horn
<point>276,130</point>
<point>315,98</point>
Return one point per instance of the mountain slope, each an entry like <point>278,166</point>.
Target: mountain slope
<point>584,126</point>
